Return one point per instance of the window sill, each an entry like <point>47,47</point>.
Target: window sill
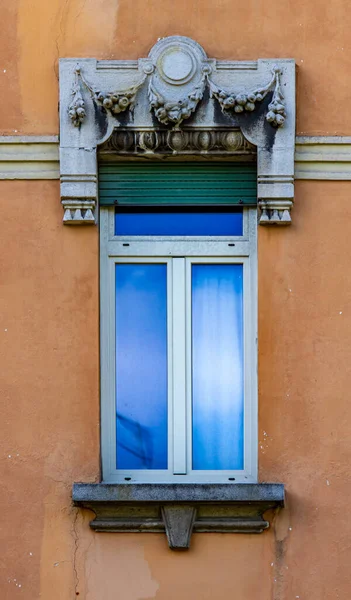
<point>179,509</point>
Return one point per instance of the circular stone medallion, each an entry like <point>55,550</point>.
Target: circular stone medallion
<point>176,66</point>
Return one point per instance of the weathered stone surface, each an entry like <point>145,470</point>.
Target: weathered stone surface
<point>223,142</point>
<point>177,84</point>
<point>179,492</point>
<point>179,509</point>
<point>179,522</point>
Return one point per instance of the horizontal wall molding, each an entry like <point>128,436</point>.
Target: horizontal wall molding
<point>37,157</point>
<point>323,157</point>
<point>29,157</point>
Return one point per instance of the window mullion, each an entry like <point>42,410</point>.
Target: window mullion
<point>179,367</point>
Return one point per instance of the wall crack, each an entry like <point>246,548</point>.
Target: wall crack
<point>75,552</point>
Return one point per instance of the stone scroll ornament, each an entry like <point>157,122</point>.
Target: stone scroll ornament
<point>177,101</point>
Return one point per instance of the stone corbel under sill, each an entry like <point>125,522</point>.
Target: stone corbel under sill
<point>179,509</point>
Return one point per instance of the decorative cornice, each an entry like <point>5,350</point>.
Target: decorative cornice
<point>178,100</point>
<point>162,142</point>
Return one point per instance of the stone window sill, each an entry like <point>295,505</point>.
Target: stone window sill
<point>179,509</point>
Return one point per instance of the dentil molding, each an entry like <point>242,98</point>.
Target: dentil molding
<point>177,101</point>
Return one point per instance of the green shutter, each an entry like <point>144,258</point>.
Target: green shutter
<point>177,184</point>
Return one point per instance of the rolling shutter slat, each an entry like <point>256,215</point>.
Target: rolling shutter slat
<point>178,184</point>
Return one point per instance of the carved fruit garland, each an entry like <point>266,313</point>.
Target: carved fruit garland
<point>76,109</point>
<point>176,112</point>
<point>242,102</point>
<point>115,102</point>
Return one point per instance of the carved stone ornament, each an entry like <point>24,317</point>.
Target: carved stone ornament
<point>248,101</point>
<point>176,142</point>
<point>115,102</point>
<point>177,101</point>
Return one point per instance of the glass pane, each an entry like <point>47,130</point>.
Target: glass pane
<point>179,223</point>
<point>217,366</point>
<point>141,366</point>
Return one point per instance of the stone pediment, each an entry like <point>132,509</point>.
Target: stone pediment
<point>177,100</point>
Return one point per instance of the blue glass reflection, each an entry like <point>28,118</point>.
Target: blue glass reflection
<point>141,366</point>
<point>179,223</point>
<point>217,366</point>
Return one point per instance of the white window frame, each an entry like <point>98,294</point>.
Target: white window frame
<point>234,249</point>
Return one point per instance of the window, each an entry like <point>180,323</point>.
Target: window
<point>178,344</point>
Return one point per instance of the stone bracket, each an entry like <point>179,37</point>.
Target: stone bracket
<point>179,509</point>
<point>179,523</point>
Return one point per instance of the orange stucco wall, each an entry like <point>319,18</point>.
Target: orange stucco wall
<point>49,401</point>
<point>50,417</point>
<point>37,33</point>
